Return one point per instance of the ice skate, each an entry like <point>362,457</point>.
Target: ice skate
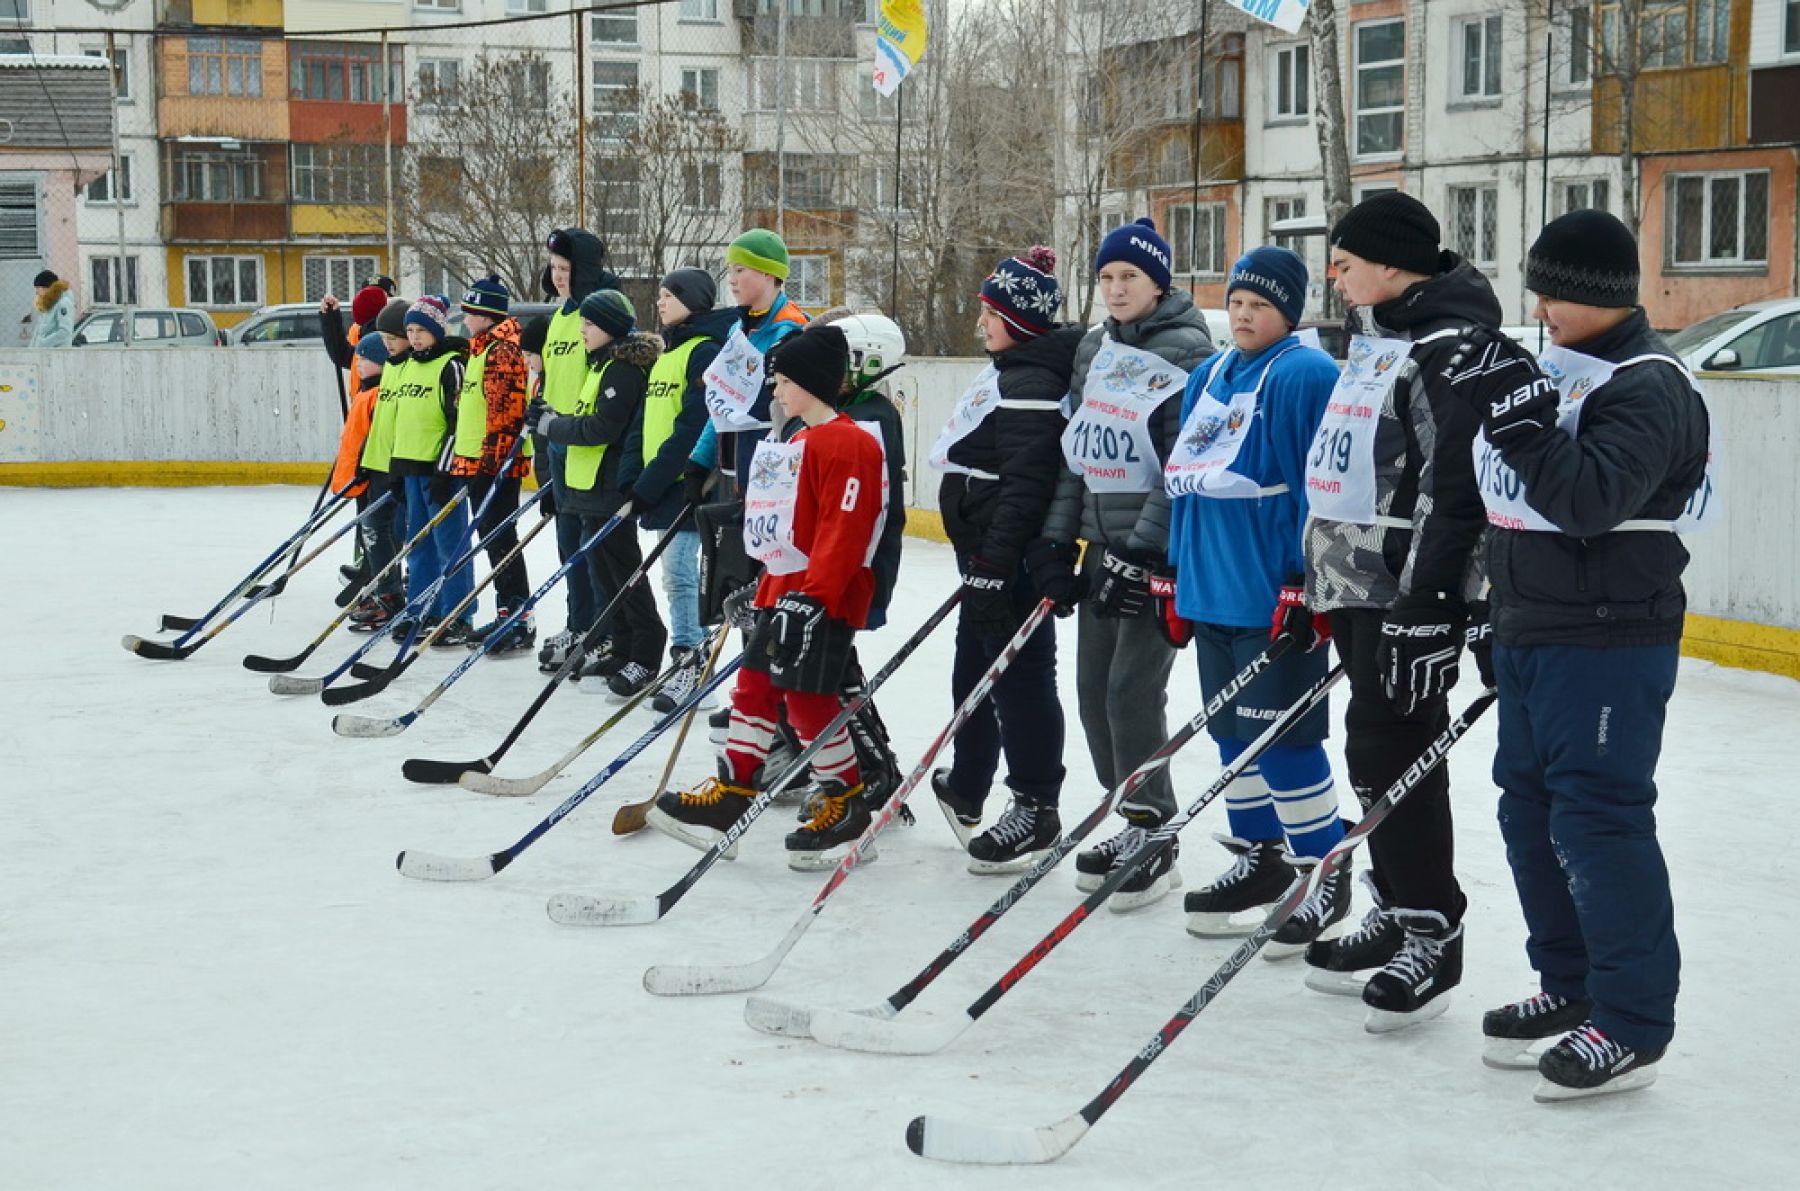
<point>1588,1063</point>
<point>839,817</point>
<point>1152,882</point>
<point>1092,864</point>
<point>1410,989</point>
<point>1237,902</point>
<point>1015,839</point>
<point>700,817</point>
<point>1341,966</point>
<point>1325,906</point>
<point>556,649</point>
<point>683,680</point>
<point>962,815</point>
<point>1511,1030</point>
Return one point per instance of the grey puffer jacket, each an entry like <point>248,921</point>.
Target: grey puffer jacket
<point>1135,522</point>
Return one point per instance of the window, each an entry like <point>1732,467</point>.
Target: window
<point>1574,49</point>
<point>1662,33</point>
<point>338,72</point>
<point>1790,36</point>
<point>620,28</point>
<point>519,8</point>
<point>1712,30</point>
<point>1197,234</point>
<point>19,221</point>
<point>811,84</point>
<point>202,177</point>
<point>1380,88</point>
<point>1364,190</point>
<point>440,81</point>
<point>1290,73</point>
<point>101,190</point>
<point>528,85</point>
<point>1475,223</point>
<point>699,10</point>
<point>878,189</point>
<point>224,280</point>
<point>812,181</point>
<point>1717,219</point>
<point>103,281</point>
<point>323,275</point>
<point>809,280</point>
<point>615,99</point>
<point>1774,344</point>
<point>1591,194</point>
<point>337,174</point>
<point>121,64</point>
<point>1287,208</point>
<point>15,12</point>
<point>872,105</point>
<point>1477,44</point>
<point>702,188</point>
<point>225,66</point>
<point>438,5</point>
<point>103,328</point>
<point>700,87</point>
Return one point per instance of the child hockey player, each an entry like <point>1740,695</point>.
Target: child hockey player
<point>490,416</point>
<point>815,506</point>
<point>1110,495</point>
<point>591,439</point>
<point>1000,456</point>
<point>1237,479</point>
<point>1587,504</point>
<point>382,541</point>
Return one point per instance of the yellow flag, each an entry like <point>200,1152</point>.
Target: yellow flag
<point>899,43</point>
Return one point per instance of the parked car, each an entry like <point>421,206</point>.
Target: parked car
<point>141,326</point>
<point>291,324</point>
<point>525,312</point>
<point>1756,337</point>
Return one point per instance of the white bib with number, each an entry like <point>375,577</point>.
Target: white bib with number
<point>972,409</point>
<point>1576,377</point>
<point>733,381</point>
<point>1107,442</point>
<point>1210,439</point>
<point>1340,468</point>
<point>770,498</point>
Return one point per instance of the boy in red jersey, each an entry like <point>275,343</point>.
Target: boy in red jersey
<point>813,513</point>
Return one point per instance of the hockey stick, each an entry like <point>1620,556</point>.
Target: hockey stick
<point>487,783</point>
<point>280,584</point>
<point>175,651</point>
<point>957,1141</point>
<point>629,819</point>
<point>430,772</point>
<point>429,866</point>
<point>669,980</point>
<point>853,1031</point>
<point>366,726</point>
<point>773,1016</point>
<point>247,586</point>
<point>573,909</point>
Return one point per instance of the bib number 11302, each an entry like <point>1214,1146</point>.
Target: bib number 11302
<point>1095,441</point>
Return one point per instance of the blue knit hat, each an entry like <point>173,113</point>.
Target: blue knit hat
<point>1276,274</point>
<point>1024,292</point>
<point>431,312</point>
<point>611,311</point>
<point>372,347</point>
<point>1139,245</point>
<point>487,296</point>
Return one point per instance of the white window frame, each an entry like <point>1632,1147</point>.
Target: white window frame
<point>809,280</point>
<point>1484,223</point>
<point>1710,180</point>
<point>103,278</point>
<point>428,78</point>
<point>20,18</point>
<point>702,185</point>
<point>616,21</point>
<point>1357,110</point>
<point>700,10</point>
<point>125,196</point>
<point>1365,190</point>
<point>121,64</point>
<point>1212,220</point>
<point>1579,194</point>
<point>614,119</point>
<point>237,278</point>
<point>437,5</point>
<point>1790,28</point>
<point>524,8</point>
<point>350,267</point>
<point>1490,30</point>
<point>812,84</point>
<point>1573,49</point>
<point>1290,104</point>
<point>694,80</point>
<point>1278,207</point>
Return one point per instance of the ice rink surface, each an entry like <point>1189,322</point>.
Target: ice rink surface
<point>211,975</point>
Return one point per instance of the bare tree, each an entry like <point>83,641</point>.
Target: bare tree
<point>1328,92</point>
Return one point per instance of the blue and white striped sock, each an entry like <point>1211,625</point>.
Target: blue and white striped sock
<point>1304,796</point>
<point>1249,809</point>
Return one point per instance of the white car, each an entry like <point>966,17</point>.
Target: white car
<point>1756,337</point>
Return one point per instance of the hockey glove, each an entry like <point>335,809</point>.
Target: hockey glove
<point>1420,641</point>
<point>987,606</point>
<point>1124,590</point>
<point>1176,629</point>
<point>1502,381</point>
<point>538,416</point>
<point>739,607</point>
<point>1293,618</point>
<point>1055,575</point>
<point>793,627</point>
<point>1479,637</point>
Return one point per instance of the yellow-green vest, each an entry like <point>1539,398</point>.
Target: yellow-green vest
<point>378,447</point>
<point>663,393</point>
<point>419,421</point>
<point>472,409</point>
<point>565,361</point>
<point>582,465</point>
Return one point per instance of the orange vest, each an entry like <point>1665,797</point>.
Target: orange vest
<point>356,424</point>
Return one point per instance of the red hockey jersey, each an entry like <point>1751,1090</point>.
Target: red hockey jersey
<point>836,512</point>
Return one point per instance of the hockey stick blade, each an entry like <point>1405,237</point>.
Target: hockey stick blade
<point>179,624</point>
<point>770,1016</point>
<point>886,1036</point>
<point>428,866</point>
<point>157,650</point>
<point>578,909</point>
<point>268,665</point>
<point>365,726</point>
<point>700,980</point>
<point>442,773</point>
<point>366,670</point>
<point>978,1145</point>
<point>484,782</point>
<point>287,684</point>
<point>337,696</point>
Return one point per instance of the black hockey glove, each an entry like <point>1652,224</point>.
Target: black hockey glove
<point>1055,575</point>
<point>538,416</point>
<point>1502,381</point>
<point>1479,637</point>
<point>1124,589</point>
<point>793,625</point>
<point>987,606</point>
<point>1420,641</point>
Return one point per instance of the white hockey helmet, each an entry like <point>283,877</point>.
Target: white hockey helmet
<point>877,345</point>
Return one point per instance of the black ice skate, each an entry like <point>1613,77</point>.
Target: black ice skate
<point>1588,1063</point>
<point>1151,882</point>
<point>701,816</point>
<point>963,815</point>
<point>1254,882</point>
<point>456,635</point>
<point>374,613</point>
<point>629,680</point>
<point>1327,905</point>
<point>1092,864</point>
<point>601,662</point>
<point>718,725</point>
<point>1411,988</point>
<point>556,649</point>
<point>839,817</point>
<point>683,681</point>
<point>1015,839</point>
<point>1341,966</point>
<point>1511,1029</point>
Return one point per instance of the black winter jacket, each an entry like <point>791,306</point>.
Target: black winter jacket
<point>620,403</point>
<point>1639,453</point>
<point>655,484</point>
<point>1021,443</point>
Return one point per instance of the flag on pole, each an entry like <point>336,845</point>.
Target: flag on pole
<point>1285,15</point>
<point>900,43</point>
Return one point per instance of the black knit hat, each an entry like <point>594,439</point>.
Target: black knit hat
<point>817,359</point>
<point>532,334</point>
<point>392,319</point>
<point>45,279</point>
<point>1390,228</point>
<point>693,288</point>
<point>1587,257</point>
<point>611,311</point>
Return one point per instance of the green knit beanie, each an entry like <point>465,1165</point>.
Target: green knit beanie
<point>762,250</point>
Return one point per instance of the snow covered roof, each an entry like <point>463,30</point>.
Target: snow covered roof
<point>28,61</point>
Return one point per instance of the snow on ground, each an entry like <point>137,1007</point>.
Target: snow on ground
<point>212,976</point>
